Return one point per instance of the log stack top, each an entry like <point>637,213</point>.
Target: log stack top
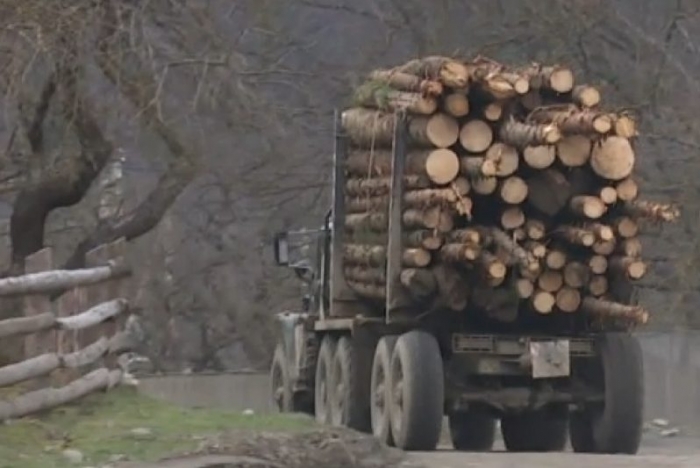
<point>517,180</point>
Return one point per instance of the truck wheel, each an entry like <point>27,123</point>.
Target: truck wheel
<point>472,431</point>
<point>417,391</point>
<point>380,389</point>
<point>536,431</point>
<point>616,425</point>
<point>279,379</point>
<point>350,389</point>
<point>323,380</point>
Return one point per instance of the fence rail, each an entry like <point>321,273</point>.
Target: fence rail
<point>72,328</point>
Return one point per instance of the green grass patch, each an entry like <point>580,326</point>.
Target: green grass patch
<point>101,426</point>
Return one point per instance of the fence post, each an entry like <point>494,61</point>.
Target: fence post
<point>41,342</point>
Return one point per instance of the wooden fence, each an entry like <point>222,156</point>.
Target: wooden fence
<point>73,330</point>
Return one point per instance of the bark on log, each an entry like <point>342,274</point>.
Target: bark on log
<point>608,309</point>
<point>361,254</point>
<point>425,239</point>
<point>513,190</point>
<point>522,135</point>
<point>556,78</point>
<point>586,96</point>
<point>515,252</point>
<point>423,198</point>
<point>506,159</point>
<point>512,218</point>
<point>666,212</point>
<point>371,222</point>
<point>419,282</point>
<point>576,274</point>
<point>632,268</point>
<point>598,285</point>
<point>571,120</point>
<point>476,136</point>
<point>625,126</point>
<point>379,96</point>
<point>588,206</point>
<point>428,218</point>
<point>568,300</point>
<point>598,264</point>
<point>556,259</point>
<point>613,158</point>
<point>477,166</point>
<point>626,227</point>
<point>540,157</point>
<point>466,236</point>
<point>372,128</point>
<point>407,82</point>
<point>359,274</point>
<point>363,187</point>
<point>456,104</point>
<point>484,185</point>
<point>41,400</point>
<point>27,325</point>
<point>94,316</point>
<point>459,253</point>
<point>495,80</point>
<point>543,302</point>
<point>29,369</point>
<point>627,189</point>
<point>550,281</point>
<point>549,191</point>
<point>86,356</point>
<point>48,282</point>
<point>448,71</point>
<point>440,166</point>
<point>574,150</point>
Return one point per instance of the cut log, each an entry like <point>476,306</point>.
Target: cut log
<point>419,282</point>
<point>601,231</point>
<point>631,247</point>
<point>522,135</point>
<point>365,275</point>
<point>576,235</point>
<point>512,218</point>
<point>632,268</point>
<point>548,191</point>
<point>476,136</point>
<point>537,249</point>
<point>369,222</point>
<point>456,104</point>
<point>418,219</point>
<point>515,253</point>
<point>513,190</point>
<point>568,299</point>
<point>372,128</point>
<point>382,185</point>
<point>586,96</point>
<point>28,369</point>
<point>652,210</point>
<point>598,264</point>
<point>465,236</point>
<point>555,78</point>
<point>535,229</point>
<point>608,195</point>
<point>505,157</point>
<point>604,247</point>
<point>361,254</point>
<point>574,150</point>
<point>524,288</point>
<point>598,285</point>
<point>446,220</point>
<point>94,315</point>
<point>493,111</point>
<point>377,95</point>
<point>20,326</point>
<point>440,166</point>
<point>576,274</point>
<point>608,309</point>
<point>368,290</point>
<point>425,239</point>
<point>626,227</point>
<point>550,281</point>
<point>46,282</point>
<point>423,198</point>
<point>484,185</point>
<point>588,206</point>
<point>627,189</point>
<point>519,234</point>
<point>461,186</point>
<point>625,126</point>
<point>492,266</point>
<point>448,71</point>
<point>555,259</point>
<point>407,82</point>
<point>613,158</point>
<point>459,253</point>
<point>532,100</point>
<point>477,166</point>
<point>571,120</point>
<point>415,258</point>
<point>540,157</point>
<point>495,80</point>
<point>543,302</point>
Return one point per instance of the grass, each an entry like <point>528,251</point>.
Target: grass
<point>101,428</point>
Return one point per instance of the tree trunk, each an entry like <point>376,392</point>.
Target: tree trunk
<point>539,157</point>
<point>440,166</point>
<point>548,191</point>
<point>515,253</point>
<point>467,236</point>
<point>367,222</point>
<point>506,159</point>
<point>477,166</point>
<point>364,255</point>
<point>522,135</point>
<point>493,79</point>
<point>476,136</point>
<point>448,71</point>
<point>425,239</point>
<point>407,82</point>
<point>382,185</point>
<point>378,96</point>
<point>613,158</point>
<point>571,120</point>
<point>556,78</point>
<point>574,150</point>
<point>609,309</point>
<point>460,253</point>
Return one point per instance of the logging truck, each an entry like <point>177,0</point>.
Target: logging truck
<point>393,369</point>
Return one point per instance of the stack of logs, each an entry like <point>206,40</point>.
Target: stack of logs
<point>517,184</point>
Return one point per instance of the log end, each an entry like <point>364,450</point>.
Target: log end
<point>613,158</point>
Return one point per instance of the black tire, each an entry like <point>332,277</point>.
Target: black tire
<point>281,386</point>
<point>350,395</point>
<point>418,391</point>
<point>535,431</point>
<point>323,381</point>
<point>472,431</point>
<point>380,389</point>
<point>615,427</point>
